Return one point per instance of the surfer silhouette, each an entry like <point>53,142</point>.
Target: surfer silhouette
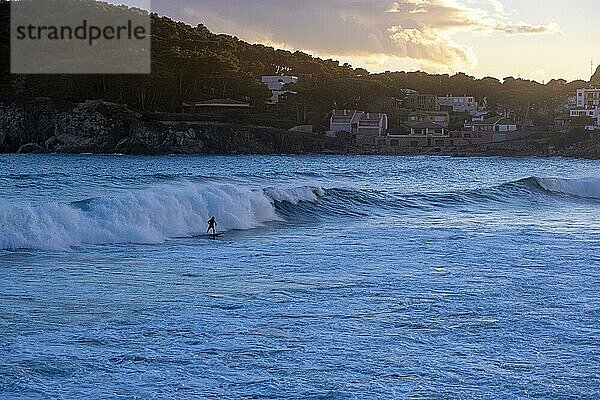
<point>212,223</point>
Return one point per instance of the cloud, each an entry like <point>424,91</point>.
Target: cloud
<point>527,29</point>
<point>497,6</point>
<point>422,30</point>
<point>430,46</point>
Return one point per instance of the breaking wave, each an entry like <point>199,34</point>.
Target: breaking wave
<point>156,214</point>
<point>143,216</point>
<point>584,187</point>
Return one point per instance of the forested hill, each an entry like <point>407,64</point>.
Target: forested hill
<point>187,63</point>
<point>191,63</point>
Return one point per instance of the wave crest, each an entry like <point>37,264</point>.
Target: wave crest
<point>144,216</point>
<point>161,212</point>
<point>583,187</point>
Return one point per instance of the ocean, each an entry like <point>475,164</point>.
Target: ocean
<point>337,277</point>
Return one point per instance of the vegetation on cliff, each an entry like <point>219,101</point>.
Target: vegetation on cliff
<point>44,125</point>
<point>191,63</point>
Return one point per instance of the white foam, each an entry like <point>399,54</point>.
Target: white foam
<point>143,216</point>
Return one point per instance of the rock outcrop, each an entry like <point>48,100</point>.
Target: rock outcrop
<point>31,148</point>
<point>30,123</point>
<point>102,127</point>
<point>46,125</point>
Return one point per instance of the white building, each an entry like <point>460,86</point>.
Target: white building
<point>373,124</point>
<point>459,104</point>
<point>585,112</point>
<point>344,121</point>
<point>494,124</point>
<point>358,123</point>
<point>275,83</point>
<point>588,112</point>
<point>588,98</point>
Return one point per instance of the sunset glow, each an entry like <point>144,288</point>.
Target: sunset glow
<point>537,40</point>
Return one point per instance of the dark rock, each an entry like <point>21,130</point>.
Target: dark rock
<point>93,127</point>
<point>31,148</point>
<point>51,144</point>
<point>29,123</point>
<point>102,127</point>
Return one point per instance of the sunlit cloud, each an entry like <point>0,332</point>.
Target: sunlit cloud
<point>497,6</point>
<point>422,30</point>
<point>431,46</point>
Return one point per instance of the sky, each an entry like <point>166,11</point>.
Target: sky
<point>532,39</point>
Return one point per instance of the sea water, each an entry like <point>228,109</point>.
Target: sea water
<point>342,277</point>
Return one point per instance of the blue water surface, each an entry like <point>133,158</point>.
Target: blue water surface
<point>338,277</point>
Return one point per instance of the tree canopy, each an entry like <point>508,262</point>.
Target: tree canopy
<point>192,63</point>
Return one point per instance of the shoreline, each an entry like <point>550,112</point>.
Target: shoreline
<point>324,154</point>
<point>97,127</point>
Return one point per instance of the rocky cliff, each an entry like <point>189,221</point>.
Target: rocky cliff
<point>45,125</point>
<point>100,127</point>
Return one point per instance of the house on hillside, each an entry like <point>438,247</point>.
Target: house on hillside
<point>593,113</point>
<point>373,124</point>
<point>416,101</point>
<point>568,103</point>
<point>584,112</point>
<point>459,104</point>
<point>489,130</point>
<point>358,123</point>
<point>276,83</point>
<point>588,105</point>
<point>439,117</point>
<point>344,121</point>
<point>588,98</point>
<point>426,128</point>
<point>493,124</point>
<point>419,134</point>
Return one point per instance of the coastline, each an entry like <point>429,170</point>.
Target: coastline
<point>97,127</point>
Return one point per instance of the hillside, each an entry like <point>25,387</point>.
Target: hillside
<point>192,63</point>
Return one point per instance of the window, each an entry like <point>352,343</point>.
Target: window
<point>394,142</point>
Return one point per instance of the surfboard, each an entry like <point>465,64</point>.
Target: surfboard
<point>214,235</point>
<point>209,235</point>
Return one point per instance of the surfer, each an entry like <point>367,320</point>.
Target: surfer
<point>212,223</point>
